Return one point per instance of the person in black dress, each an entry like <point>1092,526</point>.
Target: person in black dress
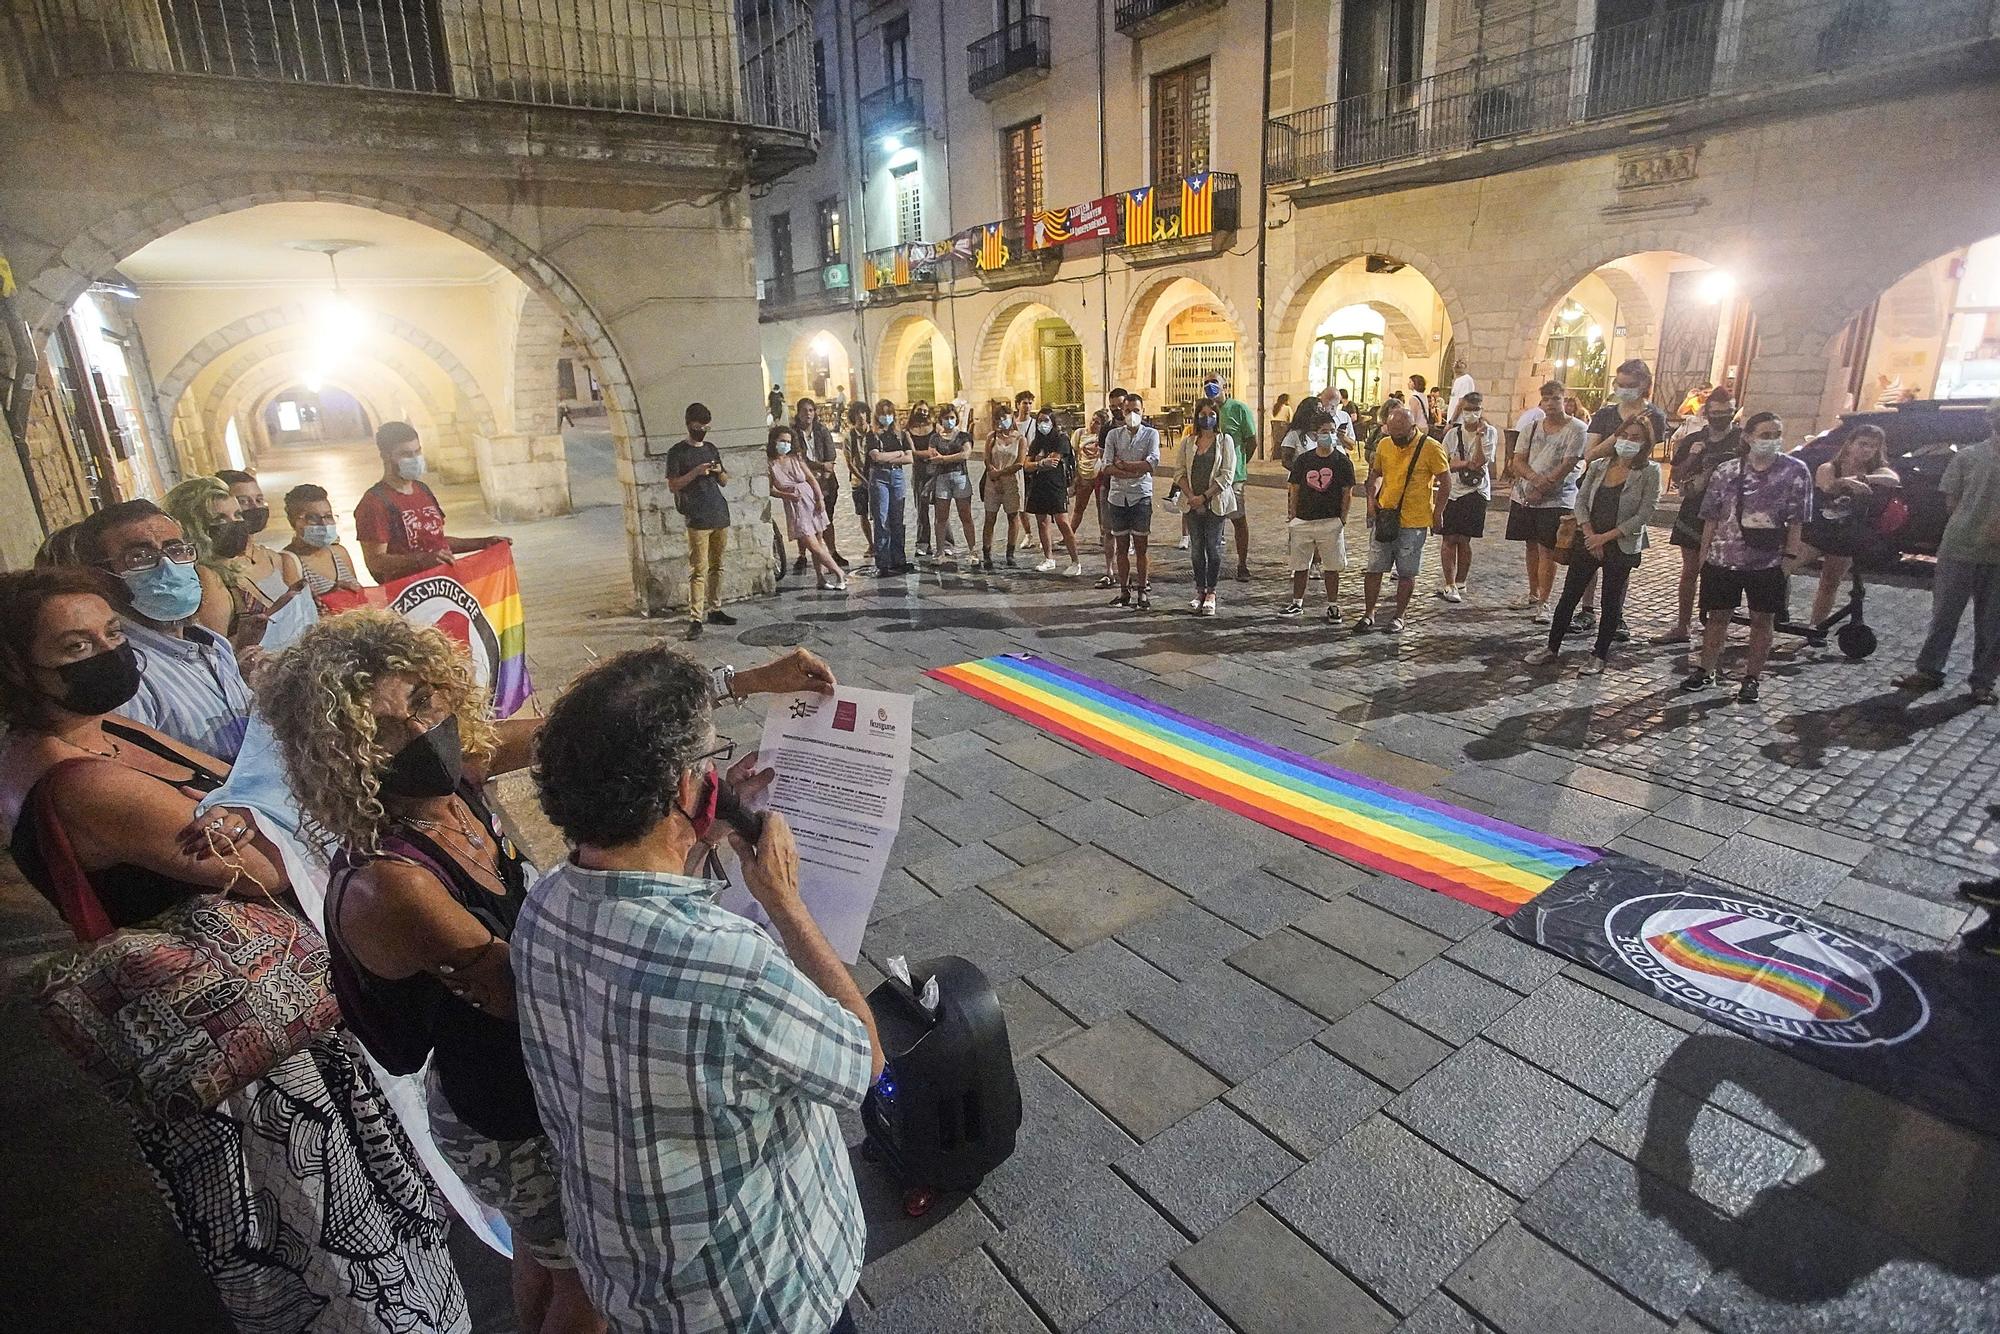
<point>1050,469</point>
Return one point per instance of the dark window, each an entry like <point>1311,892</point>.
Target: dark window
<point>1180,122</point>
<point>829,231</point>
<point>896,50</point>
<point>781,247</point>
<point>822,86</point>
<point>1021,167</point>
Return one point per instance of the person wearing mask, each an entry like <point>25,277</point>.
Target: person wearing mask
<point>1418,403</point>
<point>689,1067</point>
<point>950,482</point>
<point>1131,452</point>
<point>1614,504</point>
<point>1696,457</point>
<point>1090,484</point>
<point>888,454</point>
<point>1050,469</point>
<point>235,603</point>
<point>323,559</point>
<point>398,521</point>
<point>1203,474</point>
<point>814,443</point>
<point>795,488</point>
<point>1849,490</point>
<point>1968,568</point>
<point>856,448</point>
<point>1000,484</point>
<point>298,1197</point>
<point>192,688</point>
<point>696,477</point>
<point>1240,425</point>
<point>1547,460</point>
<point>387,742</point>
<point>255,511</point>
<point>1631,396</point>
<point>922,431</point>
<point>1409,468</point>
<point>1462,384</point>
<point>1469,446</point>
<point>1316,495</point>
<point>1752,515</point>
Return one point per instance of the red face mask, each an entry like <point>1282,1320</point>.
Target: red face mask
<point>703,814</point>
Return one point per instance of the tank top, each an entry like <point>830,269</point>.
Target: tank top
<point>343,573</point>
<point>475,1056</point>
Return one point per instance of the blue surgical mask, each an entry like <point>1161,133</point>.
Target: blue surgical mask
<point>411,469</point>
<point>1625,449</point>
<point>1765,449</point>
<point>1006,421</point>
<point>886,420</point>
<point>320,534</point>
<point>1213,390</point>
<point>1625,393</point>
<point>168,592</point>
<point>783,446</point>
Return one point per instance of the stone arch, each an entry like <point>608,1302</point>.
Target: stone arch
<point>1293,302</point>
<point>243,389</point>
<point>983,382</point>
<point>255,403</point>
<point>1146,303</point>
<point>538,340</point>
<point>266,355</point>
<point>796,371</point>
<point>897,345</point>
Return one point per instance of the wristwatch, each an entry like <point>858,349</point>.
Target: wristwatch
<point>722,684</point>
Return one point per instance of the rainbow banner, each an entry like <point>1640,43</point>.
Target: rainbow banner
<point>1470,857</point>
<point>477,601</point>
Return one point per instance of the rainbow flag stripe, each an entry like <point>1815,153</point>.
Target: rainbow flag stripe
<point>1470,857</point>
<point>1702,950</point>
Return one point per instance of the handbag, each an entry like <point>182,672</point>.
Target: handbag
<point>1389,522</point>
<point>1757,539</point>
<point>1565,546</point>
<point>174,1015</point>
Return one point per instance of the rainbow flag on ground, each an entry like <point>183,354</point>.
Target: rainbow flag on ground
<point>477,601</point>
<point>1471,857</point>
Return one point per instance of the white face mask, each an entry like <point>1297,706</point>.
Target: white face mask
<point>1626,449</point>
<point>1473,419</point>
<point>886,420</point>
<point>1625,393</point>
<point>783,446</point>
<point>1323,442</point>
<point>1043,428</point>
<point>1006,421</point>
<point>1132,420</point>
<point>1765,449</point>
<point>411,468</point>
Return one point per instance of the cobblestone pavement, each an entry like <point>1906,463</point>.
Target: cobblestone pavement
<point>1270,1091</point>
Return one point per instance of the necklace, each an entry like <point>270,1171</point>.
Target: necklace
<point>466,830</point>
<point>112,754</point>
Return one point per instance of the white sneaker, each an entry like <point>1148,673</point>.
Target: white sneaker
<point>1442,591</point>
<point>1208,605</point>
<point>1541,657</point>
<point>1194,603</point>
<point>1047,565</point>
<point>1523,604</point>
<point>1183,543</point>
<point>1452,594</point>
<point>1073,571</point>
<point>1394,627</point>
<point>1540,615</point>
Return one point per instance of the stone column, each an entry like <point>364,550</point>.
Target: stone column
<point>522,476</point>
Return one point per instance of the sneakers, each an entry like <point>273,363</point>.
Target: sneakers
<point>923,550</point>
<point>1699,680</point>
<point>1205,606</point>
<point>1621,635</point>
<point>1143,602</point>
<point>1075,568</point>
<point>1921,682</point>
<point>1747,692</point>
<point>1586,619</point>
<point>1441,592</point>
<point>720,617</point>
<point>1194,603</point>
<point>1451,593</point>
<point>986,561</point>
<point>1593,666</point>
<point>1183,542</point>
<point>1524,604</point>
<point>1541,657</point>
<point>1394,627</point>
<point>1047,566</point>
<point>1363,623</point>
<point>1294,608</point>
<point>1538,612</point>
<point>1124,598</point>
<point>864,571</point>
<point>694,630</point>
<point>1106,581</point>
<point>1332,614</point>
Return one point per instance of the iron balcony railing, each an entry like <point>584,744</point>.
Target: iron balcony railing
<point>1171,220</point>
<point>892,108</point>
<point>1021,46</point>
<point>830,283</point>
<point>749,63</point>
<point>1691,51</point>
<point>1141,16</point>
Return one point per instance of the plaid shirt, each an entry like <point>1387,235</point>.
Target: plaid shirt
<point>688,1074</point>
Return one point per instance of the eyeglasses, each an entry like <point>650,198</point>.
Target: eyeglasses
<point>720,756</point>
<point>148,558</point>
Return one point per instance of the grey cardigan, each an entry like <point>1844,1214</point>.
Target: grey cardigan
<point>1635,503</point>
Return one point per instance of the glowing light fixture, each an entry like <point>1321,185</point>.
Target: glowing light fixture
<point>338,324</point>
<point>1717,285</point>
<point>822,343</point>
<point>892,143</point>
<point>1595,333</point>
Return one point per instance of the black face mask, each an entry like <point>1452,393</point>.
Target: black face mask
<point>430,765</point>
<point>230,538</point>
<point>100,683</point>
<point>256,518</point>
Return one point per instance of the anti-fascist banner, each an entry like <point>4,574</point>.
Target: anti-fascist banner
<point>1916,1025</point>
<point>477,601</point>
<point>1079,222</point>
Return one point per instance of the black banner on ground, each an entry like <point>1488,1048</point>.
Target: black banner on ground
<point>1922,1027</point>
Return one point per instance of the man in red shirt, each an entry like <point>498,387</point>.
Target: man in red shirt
<point>399,520</point>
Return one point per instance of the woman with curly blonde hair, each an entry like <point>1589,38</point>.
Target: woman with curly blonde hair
<point>386,740</point>
<point>240,594</point>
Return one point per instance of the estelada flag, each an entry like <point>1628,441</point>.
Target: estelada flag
<point>992,247</point>
<point>476,600</point>
<point>1049,227</point>
<point>1198,204</point>
<point>1139,216</point>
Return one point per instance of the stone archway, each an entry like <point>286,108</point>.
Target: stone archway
<point>841,360</point>
<point>984,382</point>
<point>898,344</point>
<point>1298,295</point>
<point>1147,304</point>
<point>240,392</point>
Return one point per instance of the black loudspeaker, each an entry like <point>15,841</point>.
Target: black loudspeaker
<point>947,1106</point>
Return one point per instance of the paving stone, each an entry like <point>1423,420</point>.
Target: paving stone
<point>1680,839</point>
<point>1145,797</point>
<point>899,893</point>
<point>1619,787</point>
<point>1183,939</point>
<point>1033,1021</point>
<point>1323,980</point>
<point>1031,843</point>
<point>1206,1168</point>
<point>969,925</point>
<point>1512,1123</point>
<point>1506,959</point>
<point>1259,902</point>
<point>1672,1015</point>
<point>1228,1021</point>
<point>1649,1238</point>
<point>1393,1050</point>
<point>1100,980</point>
<point>1427,908</point>
<point>1493,787</point>
<point>951,746</point>
<point>1717,817</point>
<point>1313,871</point>
<point>1722,1160</point>
<point>904,1250</point>
<point>1391,1210</point>
<point>1137,1077</point>
<point>971,775</point>
<point>1579,817</point>
<point>1081,896</point>
<point>1037,753</point>
<point>967,1294</point>
<point>1163,1302</point>
<point>1522,1285</point>
<point>1439,1314</point>
<point>1809,838</point>
<point>1587,1038</point>
<point>1061,1137</point>
<point>1266,1280</point>
<point>961,868</point>
<point>970,819</point>
<point>916,841</point>
<point>1387,766</point>
<point>1382,940</point>
<point>1939,920</point>
<point>1091,820</point>
<point>1308,1099</point>
<point>1916,875</point>
<point>1646,852</point>
<point>1087,1249</point>
<point>1779,872</point>
<point>1448,1001</point>
<point>1035,795</point>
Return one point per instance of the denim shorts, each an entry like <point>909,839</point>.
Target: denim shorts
<point>1135,519</point>
<point>1406,553</point>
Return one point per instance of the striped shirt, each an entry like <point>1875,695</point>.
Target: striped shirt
<point>687,1074</point>
<point>190,689</point>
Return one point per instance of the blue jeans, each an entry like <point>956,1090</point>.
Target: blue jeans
<point>1205,546</point>
<point>1956,583</point>
<point>887,488</point>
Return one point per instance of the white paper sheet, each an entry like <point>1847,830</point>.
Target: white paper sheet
<point>841,764</point>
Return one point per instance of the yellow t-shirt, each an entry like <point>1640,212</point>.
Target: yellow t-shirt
<point>1419,497</point>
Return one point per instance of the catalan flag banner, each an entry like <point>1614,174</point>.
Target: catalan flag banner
<point>476,600</point>
<point>1139,216</point>
<point>1198,204</point>
<point>1048,227</point>
<point>993,252</point>
<point>1471,857</point>
<point>899,267</point>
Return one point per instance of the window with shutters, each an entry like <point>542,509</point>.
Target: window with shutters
<point>1180,121</point>
<point>1021,167</point>
<point>909,207</point>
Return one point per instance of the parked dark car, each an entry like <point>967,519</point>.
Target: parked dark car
<point>1923,435</point>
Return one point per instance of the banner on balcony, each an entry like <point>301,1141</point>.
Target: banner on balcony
<point>1139,216</point>
<point>1052,227</point>
<point>1048,228</point>
<point>993,253</point>
<point>1198,204</point>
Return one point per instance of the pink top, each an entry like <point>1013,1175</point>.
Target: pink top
<point>794,486</point>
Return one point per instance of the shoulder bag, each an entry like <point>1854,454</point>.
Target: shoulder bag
<point>174,1015</point>
<point>1388,521</point>
<point>1757,539</point>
